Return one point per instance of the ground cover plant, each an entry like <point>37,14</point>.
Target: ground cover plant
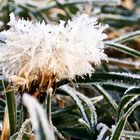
<point>70,70</point>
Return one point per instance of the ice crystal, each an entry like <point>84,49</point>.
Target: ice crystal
<point>35,50</point>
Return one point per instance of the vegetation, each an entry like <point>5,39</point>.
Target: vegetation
<point>100,106</point>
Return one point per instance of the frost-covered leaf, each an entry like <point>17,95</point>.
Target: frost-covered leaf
<point>102,128</point>
<point>107,97</point>
<point>128,36</point>
<point>43,130</point>
<point>132,90</point>
<point>110,77</point>
<point>123,48</point>
<point>89,129</point>
<point>92,111</point>
<point>69,109</point>
<point>117,132</point>
<point>74,2</point>
<point>85,106</point>
<point>124,103</point>
<point>131,134</point>
<point>124,63</point>
<point>129,95</point>
<point>78,102</point>
<point>25,128</point>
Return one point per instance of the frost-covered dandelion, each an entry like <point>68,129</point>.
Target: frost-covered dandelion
<point>48,53</point>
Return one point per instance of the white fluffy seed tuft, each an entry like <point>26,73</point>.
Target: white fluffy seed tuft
<point>63,50</point>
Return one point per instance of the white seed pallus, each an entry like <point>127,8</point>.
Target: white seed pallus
<point>64,50</point>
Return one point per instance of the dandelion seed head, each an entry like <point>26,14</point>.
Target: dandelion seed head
<point>64,50</point>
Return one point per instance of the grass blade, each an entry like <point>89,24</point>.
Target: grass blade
<point>70,91</point>
<point>111,77</point>
<point>68,3</point>
<point>127,37</point>
<point>124,103</point>
<point>70,108</point>
<point>48,106</point>
<point>26,126</point>
<point>42,129</point>
<point>92,111</point>
<point>131,134</point>
<point>12,111</point>
<point>129,95</point>
<point>123,48</point>
<point>123,63</point>
<point>122,121</point>
<point>107,97</point>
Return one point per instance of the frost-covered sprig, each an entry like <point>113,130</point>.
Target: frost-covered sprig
<point>40,51</point>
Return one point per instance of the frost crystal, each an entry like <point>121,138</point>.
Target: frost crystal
<point>37,50</point>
